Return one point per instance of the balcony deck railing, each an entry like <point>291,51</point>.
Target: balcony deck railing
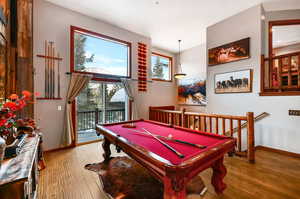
<point>88,119</point>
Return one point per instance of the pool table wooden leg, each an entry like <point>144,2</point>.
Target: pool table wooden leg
<point>106,147</point>
<point>174,188</point>
<point>219,172</point>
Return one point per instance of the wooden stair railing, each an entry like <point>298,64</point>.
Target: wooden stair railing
<point>211,123</point>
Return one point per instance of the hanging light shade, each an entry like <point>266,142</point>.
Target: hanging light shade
<point>179,74</point>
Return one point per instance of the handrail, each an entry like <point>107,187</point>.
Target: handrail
<point>244,125</point>
<point>217,115</point>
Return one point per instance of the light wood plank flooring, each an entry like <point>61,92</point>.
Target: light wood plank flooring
<point>273,176</point>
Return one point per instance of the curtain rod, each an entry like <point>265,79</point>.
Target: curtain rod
<point>109,77</point>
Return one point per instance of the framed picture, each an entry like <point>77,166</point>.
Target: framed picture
<point>231,52</point>
<point>234,82</point>
<point>192,91</point>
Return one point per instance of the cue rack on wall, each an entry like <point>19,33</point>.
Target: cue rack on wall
<point>51,72</point>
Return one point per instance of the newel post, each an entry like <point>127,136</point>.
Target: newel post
<point>251,139</point>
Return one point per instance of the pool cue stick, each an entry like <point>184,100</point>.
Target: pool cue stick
<point>53,66</point>
<point>174,140</point>
<point>165,144</point>
<point>46,70</point>
<point>49,71</point>
<point>58,77</point>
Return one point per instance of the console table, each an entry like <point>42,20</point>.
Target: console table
<point>19,175</point>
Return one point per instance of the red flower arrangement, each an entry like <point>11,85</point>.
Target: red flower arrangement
<point>8,109</point>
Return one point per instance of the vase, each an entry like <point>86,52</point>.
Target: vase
<point>2,149</point>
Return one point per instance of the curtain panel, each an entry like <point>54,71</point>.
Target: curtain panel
<point>78,82</point>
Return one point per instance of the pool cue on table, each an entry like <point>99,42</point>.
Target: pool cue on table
<point>174,140</point>
<point>165,144</point>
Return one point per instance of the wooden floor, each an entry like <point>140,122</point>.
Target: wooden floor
<point>273,176</point>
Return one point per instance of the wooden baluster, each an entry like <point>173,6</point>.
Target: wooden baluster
<point>289,71</point>
<point>205,126</point>
<point>173,119</point>
<point>279,73</point>
<point>199,124</point>
<point>188,121</point>
<point>183,118</point>
<point>194,122</point>
<point>217,125</point>
<point>223,125</point>
<point>210,125</point>
<point>262,71</point>
<point>231,127</point>
<point>298,70</point>
<point>271,63</point>
<point>239,139</point>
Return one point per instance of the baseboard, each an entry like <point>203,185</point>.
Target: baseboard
<point>282,152</point>
<point>72,146</point>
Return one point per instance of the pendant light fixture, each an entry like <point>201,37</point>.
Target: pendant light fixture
<point>180,74</point>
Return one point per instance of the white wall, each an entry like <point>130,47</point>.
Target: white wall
<point>193,61</point>
<point>280,130</point>
<point>53,23</point>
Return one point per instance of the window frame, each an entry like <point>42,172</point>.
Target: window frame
<point>170,67</point>
<point>274,91</point>
<point>96,76</point>
<point>99,76</point>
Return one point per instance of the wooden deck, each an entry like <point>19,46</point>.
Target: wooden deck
<point>273,176</point>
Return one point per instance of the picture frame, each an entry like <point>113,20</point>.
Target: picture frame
<point>234,82</point>
<point>192,91</point>
<point>231,52</point>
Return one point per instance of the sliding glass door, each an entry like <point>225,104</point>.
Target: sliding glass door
<point>99,103</point>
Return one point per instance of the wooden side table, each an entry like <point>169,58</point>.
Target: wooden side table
<point>19,175</point>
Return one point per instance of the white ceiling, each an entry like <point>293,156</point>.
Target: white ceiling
<point>166,21</point>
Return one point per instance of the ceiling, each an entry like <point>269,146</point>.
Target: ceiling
<point>166,21</point>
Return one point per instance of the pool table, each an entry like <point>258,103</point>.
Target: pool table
<point>164,164</point>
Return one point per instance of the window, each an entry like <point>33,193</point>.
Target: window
<point>161,67</point>
<point>99,103</point>
<point>104,100</point>
<point>99,54</point>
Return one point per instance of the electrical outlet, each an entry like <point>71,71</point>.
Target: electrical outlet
<point>59,108</point>
<point>294,112</point>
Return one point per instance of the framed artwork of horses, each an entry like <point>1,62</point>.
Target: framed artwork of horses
<point>234,82</point>
<point>231,52</point>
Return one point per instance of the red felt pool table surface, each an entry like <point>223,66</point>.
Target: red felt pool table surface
<point>151,144</point>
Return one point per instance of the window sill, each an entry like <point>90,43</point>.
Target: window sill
<point>161,80</point>
<point>285,93</point>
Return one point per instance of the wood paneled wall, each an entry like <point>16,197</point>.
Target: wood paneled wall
<point>19,70</point>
